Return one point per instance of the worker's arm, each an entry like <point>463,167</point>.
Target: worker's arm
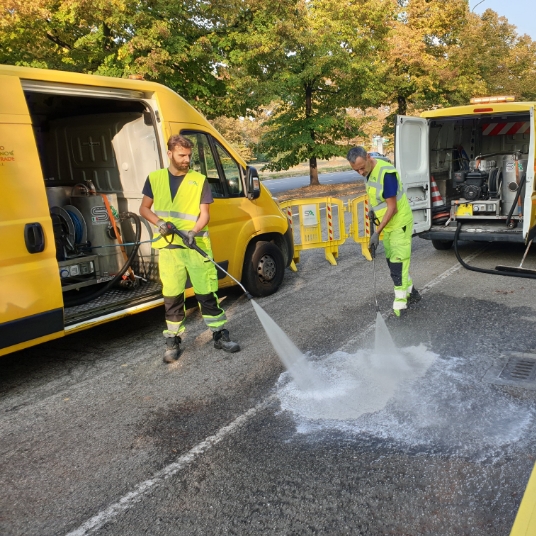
<point>146,212</point>
<point>204,217</point>
<point>389,213</point>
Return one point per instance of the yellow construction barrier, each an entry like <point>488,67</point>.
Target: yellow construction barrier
<point>359,206</point>
<point>312,212</point>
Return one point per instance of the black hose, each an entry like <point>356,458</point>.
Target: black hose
<point>483,270</point>
<point>494,182</point>
<point>71,302</point>
<point>514,204</point>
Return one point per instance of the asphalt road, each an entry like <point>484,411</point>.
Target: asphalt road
<point>98,436</point>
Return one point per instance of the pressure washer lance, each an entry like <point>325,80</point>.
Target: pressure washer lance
<point>173,230</point>
<point>372,250</point>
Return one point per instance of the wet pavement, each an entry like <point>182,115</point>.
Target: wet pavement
<point>98,436</point>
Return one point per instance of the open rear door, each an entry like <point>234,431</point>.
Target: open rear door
<point>529,219</point>
<point>412,162</point>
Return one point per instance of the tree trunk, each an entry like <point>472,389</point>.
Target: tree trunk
<point>402,105</point>
<point>313,169</point>
<point>106,37</point>
<point>313,172</point>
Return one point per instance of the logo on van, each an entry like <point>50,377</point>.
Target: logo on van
<point>99,215</point>
<point>6,156</point>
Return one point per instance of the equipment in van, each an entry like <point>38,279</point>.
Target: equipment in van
<point>481,157</point>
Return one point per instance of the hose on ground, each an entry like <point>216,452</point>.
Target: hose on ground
<point>483,270</point>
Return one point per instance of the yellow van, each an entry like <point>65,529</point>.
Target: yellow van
<point>75,151</point>
<point>469,171</point>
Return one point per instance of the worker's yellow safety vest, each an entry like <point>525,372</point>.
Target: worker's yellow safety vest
<point>183,211</point>
<point>374,185</point>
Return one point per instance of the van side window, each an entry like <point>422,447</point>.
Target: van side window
<point>231,171</point>
<point>203,161</point>
<point>212,160</point>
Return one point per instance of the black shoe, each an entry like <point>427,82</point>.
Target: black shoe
<point>173,349</point>
<point>399,314</point>
<point>414,297</point>
<point>223,342</point>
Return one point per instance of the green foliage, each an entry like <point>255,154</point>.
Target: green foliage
<point>166,41</point>
<point>313,58</point>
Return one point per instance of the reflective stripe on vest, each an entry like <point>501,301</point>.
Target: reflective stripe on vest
<point>172,214</point>
<point>183,211</point>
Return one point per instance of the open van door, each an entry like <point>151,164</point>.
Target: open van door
<point>412,162</point>
<point>31,303</point>
<point>530,188</point>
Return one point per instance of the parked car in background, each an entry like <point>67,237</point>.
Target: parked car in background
<point>379,156</point>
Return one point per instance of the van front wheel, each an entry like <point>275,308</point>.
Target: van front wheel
<point>264,268</point>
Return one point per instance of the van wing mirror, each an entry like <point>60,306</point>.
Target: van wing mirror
<point>253,183</point>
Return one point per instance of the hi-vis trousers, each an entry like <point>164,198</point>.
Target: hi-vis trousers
<point>397,244</point>
<point>175,265</point>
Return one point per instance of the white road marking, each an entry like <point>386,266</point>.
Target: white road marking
<point>134,496</point>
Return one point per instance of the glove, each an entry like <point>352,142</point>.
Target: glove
<point>163,227</point>
<point>189,239</point>
<point>374,241</point>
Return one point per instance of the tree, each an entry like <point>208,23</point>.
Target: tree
<point>172,42</point>
<point>416,68</point>
<point>496,58</point>
<point>313,59</point>
<point>244,133</point>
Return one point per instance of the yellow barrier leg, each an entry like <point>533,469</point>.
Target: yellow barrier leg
<point>330,258</point>
<point>293,266</point>
<point>365,251</point>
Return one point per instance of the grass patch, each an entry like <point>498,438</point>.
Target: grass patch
<point>324,190</point>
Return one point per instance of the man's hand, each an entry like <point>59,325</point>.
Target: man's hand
<point>163,227</point>
<point>374,241</point>
<point>189,239</point>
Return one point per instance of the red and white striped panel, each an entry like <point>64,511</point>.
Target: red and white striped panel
<point>497,129</point>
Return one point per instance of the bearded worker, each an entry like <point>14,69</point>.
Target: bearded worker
<point>182,196</point>
<point>392,214</point>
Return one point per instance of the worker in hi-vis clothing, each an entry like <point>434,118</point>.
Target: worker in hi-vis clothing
<point>182,196</point>
<point>392,214</point>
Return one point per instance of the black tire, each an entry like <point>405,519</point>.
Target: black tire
<point>442,245</point>
<point>264,268</point>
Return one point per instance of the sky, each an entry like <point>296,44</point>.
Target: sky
<point>520,13</point>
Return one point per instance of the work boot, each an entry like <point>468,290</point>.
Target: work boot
<point>400,313</point>
<point>173,349</point>
<point>414,297</point>
<point>223,342</point>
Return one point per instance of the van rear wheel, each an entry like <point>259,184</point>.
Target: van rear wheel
<point>442,245</point>
<point>264,268</point>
